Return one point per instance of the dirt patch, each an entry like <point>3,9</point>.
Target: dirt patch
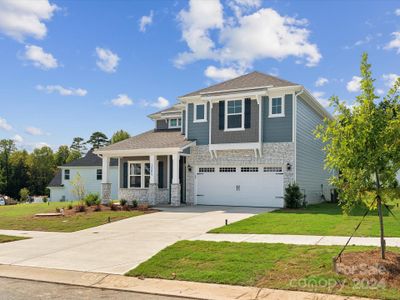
<point>367,266</point>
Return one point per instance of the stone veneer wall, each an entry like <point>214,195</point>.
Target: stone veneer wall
<point>141,195</point>
<point>277,154</point>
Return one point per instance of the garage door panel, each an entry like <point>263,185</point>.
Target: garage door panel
<point>240,188</point>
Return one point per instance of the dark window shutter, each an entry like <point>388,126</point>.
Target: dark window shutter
<point>247,113</point>
<point>160,174</point>
<point>125,176</point>
<point>221,115</point>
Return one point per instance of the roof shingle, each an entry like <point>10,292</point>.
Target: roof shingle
<point>251,80</point>
<point>89,160</point>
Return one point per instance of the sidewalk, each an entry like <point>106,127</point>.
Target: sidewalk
<point>295,239</point>
<point>182,289</point>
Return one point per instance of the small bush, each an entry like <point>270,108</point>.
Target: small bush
<point>24,195</point>
<point>91,199</point>
<point>45,199</point>
<point>123,202</point>
<point>80,208</point>
<point>293,196</point>
<point>70,205</point>
<point>134,203</point>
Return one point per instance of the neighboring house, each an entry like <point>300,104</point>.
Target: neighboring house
<point>239,142</point>
<point>89,168</point>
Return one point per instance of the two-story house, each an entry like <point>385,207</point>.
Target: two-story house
<point>239,142</point>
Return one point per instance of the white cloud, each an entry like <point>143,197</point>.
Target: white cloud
<point>18,139</point>
<point>321,81</point>
<point>145,21</point>
<point>23,18</point>
<point>320,96</point>
<point>397,12</point>
<point>40,145</point>
<point>259,35</point>
<point>221,74</point>
<point>160,103</point>
<point>122,100</point>
<point>34,131</point>
<point>354,84</point>
<point>107,60</point>
<point>49,89</point>
<point>390,79</point>
<point>4,124</point>
<point>395,43</point>
<point>380,91</point>
<point>39,58</point>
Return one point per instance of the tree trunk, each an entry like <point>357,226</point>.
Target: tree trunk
<point>379,204</point>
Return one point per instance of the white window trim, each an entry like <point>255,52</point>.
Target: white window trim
<point>226,116</point>
<point>142,174</point>
<point>177,123</point>
<point>195,119</point>
<point>270,114</point>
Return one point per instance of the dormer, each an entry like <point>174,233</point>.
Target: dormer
<point>171,118</point>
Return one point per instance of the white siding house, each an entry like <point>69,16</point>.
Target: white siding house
<point>90,170</point>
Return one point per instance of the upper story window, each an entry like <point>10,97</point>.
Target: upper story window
<point>99,174</point>
<point>66,174</point>
<point>200,113</point>
<point>276,107</point>
<point>139,174</point>
<point>175,123</point>
<point>234,119</point>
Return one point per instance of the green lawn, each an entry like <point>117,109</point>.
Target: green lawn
<point>319,219</point>
<point>278,266</point>
<point>10,238</point>
<point>22,217</point>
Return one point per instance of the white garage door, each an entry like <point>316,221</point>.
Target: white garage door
<point>240,186</point>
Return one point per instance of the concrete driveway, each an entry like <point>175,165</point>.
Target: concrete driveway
<point>120,246</point>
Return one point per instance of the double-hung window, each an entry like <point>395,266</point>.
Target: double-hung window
<point>234,119</point>
<point>66,174</point>
<point>139,174</point>
<point>276,107</point>
<point>200,113</point>
<point>175,123</point>
<point>99,174</point>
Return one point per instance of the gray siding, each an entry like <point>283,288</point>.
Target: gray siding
<point>278,130</point>
<point>198,131</point>
<point>161,124</point>
<point>310,173</point>
<point>248,135</point>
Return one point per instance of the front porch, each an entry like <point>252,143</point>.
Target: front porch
<point>152,179</point>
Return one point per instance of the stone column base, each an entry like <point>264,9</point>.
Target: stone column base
<point>152,193</point>
<point>105,193</point>
<point>175,194</point>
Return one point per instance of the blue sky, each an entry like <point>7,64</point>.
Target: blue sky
<point>69,68</point>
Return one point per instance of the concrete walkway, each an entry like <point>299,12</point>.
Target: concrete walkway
<point>295,239</point>
<point>185,289</point>
<point>120,246</point>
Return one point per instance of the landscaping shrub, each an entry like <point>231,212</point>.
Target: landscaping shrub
<point>91,199</point>
<point>24,195</point>
<point>45,199</point>
<point>80,208</point>
<point>134,203</point>
<point>293,197</point>
<point>70,205</point>
<point>123,202</point>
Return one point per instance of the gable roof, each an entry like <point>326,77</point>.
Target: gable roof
<point>89,160</point>
<point>56,181</point>
<point>248,81</point>
<point>172,110</point>
<point>150,140</point>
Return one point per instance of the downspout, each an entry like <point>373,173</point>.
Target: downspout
<point>295,130</point>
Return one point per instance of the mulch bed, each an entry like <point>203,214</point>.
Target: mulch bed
<point>369,267</point>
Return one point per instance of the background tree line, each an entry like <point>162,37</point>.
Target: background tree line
<point>20,169</point>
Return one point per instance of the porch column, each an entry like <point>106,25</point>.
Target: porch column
<point>175,186</point>
<point>153,184</point>
<point>105,182</point>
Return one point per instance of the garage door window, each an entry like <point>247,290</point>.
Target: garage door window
<point>248,169</point>
<point>206,170</point>
<point>227,170</point>
<point>273,169</point>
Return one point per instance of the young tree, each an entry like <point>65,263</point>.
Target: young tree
<point>97,140</point>
<point>61,155</point>
<point>78,144</point>
<point>78,187</point>
<point>362,144</point>
<point>118,136</point>
<point>23,195</point>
